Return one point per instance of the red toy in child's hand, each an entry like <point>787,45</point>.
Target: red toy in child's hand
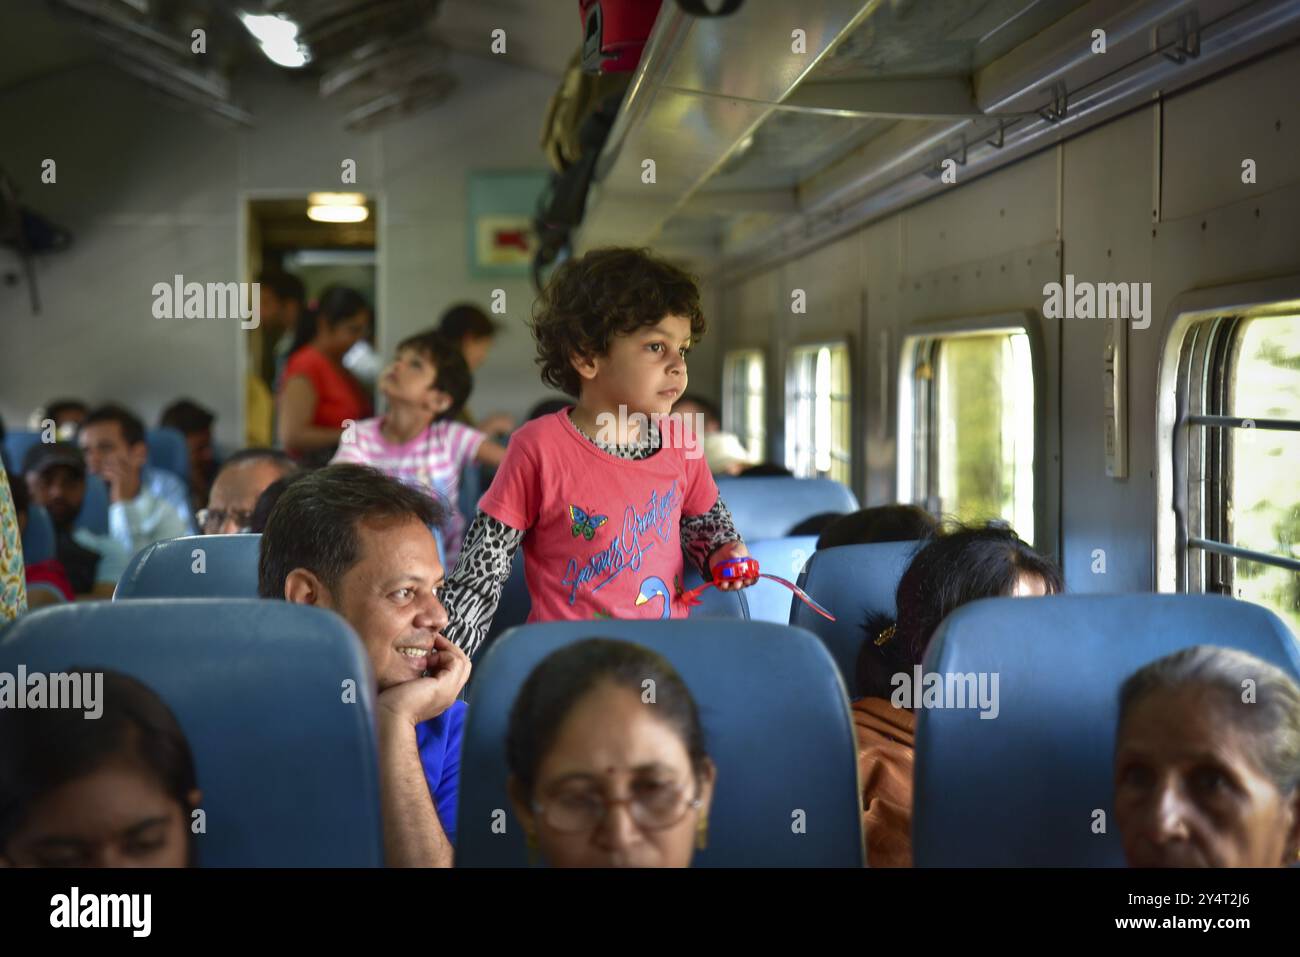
<point>743,568</point>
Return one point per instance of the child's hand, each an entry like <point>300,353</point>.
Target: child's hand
<point>731,550</point>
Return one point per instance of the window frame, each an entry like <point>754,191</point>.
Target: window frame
<point>917,402</point>
<point>844,342</point>
<point>729,411</point>
<point>1199,351</point>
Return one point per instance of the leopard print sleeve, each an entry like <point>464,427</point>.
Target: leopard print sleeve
<point>473,591</point>
<point>702,535</point>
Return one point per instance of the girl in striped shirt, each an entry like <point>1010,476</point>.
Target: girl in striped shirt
<point>418,440</point>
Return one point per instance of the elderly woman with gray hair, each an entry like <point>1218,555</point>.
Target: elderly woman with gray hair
<point>1207,762</point>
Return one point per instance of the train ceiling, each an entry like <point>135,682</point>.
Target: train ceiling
<point>886,96</point>
<point>376,59</point>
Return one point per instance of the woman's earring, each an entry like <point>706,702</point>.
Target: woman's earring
<point>702,833</point>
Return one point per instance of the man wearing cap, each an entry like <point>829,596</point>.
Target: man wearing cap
<point>56,480</point>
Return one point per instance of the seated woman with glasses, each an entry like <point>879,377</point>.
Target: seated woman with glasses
<point>1207,762</point>
<point>607,761</point>
<point>118,790</point>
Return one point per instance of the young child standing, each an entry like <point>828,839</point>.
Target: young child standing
<point>603,505</point>
<point>417,441</point>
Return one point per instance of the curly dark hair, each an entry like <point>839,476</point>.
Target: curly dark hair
<point>606,293</point>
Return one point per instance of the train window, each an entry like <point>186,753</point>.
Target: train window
<point>1240,491</point>
<point>743,390</point>
<point>817,412</point>
<point>968,416</point>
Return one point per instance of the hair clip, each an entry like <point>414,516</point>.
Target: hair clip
<point>885,635</point>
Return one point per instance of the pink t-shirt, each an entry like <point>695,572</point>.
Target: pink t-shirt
<point>602,534</point>
<point>433,460</point>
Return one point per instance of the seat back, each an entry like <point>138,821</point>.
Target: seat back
<point>195,566</point>
<point>38,536</point>
<point>769,506</point>
<point>168,450</point>
<point>852,582</point>
<point>287,765</point>
<point>15,447</point>
<point>515,604</point>
<point>1025,788</point>
<point>786,557</point>
<point>776,723</point>
<point>94,507</point>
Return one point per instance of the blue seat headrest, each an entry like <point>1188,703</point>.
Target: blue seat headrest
<point>776,724</point>
<point>1024,788</point>
<point>852,582</point>
<point>285,753</point>
<point>769,506</point>
<point>194,566</point>
<point>38,536</point>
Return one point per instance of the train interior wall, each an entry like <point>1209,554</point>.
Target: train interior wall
<point>1154,196</point>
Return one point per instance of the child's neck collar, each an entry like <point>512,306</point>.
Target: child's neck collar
<point>404,422</point>
<point>607,428</point>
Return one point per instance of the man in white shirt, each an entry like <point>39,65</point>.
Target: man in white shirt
<point>114,445</point>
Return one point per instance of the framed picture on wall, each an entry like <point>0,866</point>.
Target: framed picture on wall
<point>502,204</point>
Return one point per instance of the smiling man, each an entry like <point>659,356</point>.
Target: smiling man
<point>357,542</point>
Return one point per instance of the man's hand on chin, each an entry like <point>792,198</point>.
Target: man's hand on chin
<point>422,699</point>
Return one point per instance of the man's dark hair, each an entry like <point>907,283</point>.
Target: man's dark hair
<point>608,292</point>
<point>276,457</point>
<point>285,285</point>
<point>132,427</point>
<point>452,374</point>
<point>266,502</point>
<point>961,566</point>
<point>883,523</point>
<point>56,408</point>
<point>187,417</point>
<point>42,749</point>
<point>766,470</point>
<point>314,523</point>
<point>466,319</point>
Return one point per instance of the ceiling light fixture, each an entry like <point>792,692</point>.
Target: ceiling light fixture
<point>338,214</point>
<point>278,37</point>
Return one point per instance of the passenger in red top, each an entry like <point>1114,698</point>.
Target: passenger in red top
<point>318,395</point>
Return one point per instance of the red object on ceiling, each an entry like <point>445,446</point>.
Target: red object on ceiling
<point>615,33</point>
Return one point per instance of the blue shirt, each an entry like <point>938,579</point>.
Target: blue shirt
<point>439,742</point>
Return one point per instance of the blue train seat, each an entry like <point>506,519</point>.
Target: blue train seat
<point>195,566</point>
<point>1024,788</point>
<point>776,723</point>
<point>852,582</point>
<point>94,507</point>
<point>515,603</point>
<point>785,557</point>
<point>769,506</point>
<point>168,450</point>
<point>38,536</point>
<point>289,773</point>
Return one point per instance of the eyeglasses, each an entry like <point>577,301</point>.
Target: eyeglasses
<point>653,805</point>
<point>211,519</point>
